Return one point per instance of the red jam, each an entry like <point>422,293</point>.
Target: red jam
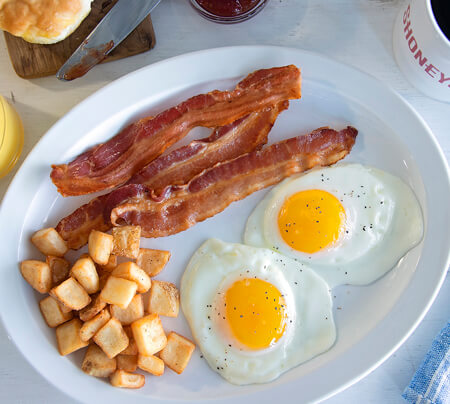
<point>228,8</point>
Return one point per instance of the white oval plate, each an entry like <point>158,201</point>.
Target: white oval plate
<point>372,321</point>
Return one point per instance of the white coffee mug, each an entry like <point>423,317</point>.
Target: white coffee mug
<point>421,49</point>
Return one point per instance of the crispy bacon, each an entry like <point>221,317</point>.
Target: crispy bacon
<point>175,168</point>
<point>113,163</point>
<point>224,143</point>
<point>180,207</point>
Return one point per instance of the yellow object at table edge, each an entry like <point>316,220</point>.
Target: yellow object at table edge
<point>11,137</point>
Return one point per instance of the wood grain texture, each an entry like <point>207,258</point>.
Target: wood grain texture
<point>34,60</point>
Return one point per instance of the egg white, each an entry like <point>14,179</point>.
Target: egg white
<point>383,222</point>
<point>310,328</point>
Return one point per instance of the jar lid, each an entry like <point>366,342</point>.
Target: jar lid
<point>11,137</point>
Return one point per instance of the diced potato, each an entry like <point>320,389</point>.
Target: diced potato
<point>111,264</point>
<point>127,362</point>
<point>49,242</point>
<point>118,291</point>
<point>91,327</point>
<point>71,294</point>
<point>95,307</point>
<point>164,299</point>
<point>96,363</point>
<point>85,273</point>
<point>100,246</point>
<point>111,338</point>
<point>126,241</point>
<point>68,337</point>
<point>131,349</point>
<point>151,364</point>
<point>152,261</point>
<point>133,312</point>
<point>52,312</point>
<point>130,271</point>
<point>37,274</point>
<point>59,268</point>
<point>177,352</point>
<point>149,334</point>
<point>64,308</point>
<point>121,378</point>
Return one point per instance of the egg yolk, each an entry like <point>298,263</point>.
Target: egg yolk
<point>311,220</point>
<point>255,312</point>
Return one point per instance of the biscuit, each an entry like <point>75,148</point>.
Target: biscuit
<point>43,21</point>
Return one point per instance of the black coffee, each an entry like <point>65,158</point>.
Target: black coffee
<point>441,11</point>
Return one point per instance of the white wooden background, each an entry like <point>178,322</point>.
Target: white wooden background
<point>356,32</point>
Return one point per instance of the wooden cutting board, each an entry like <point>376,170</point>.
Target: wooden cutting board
<point>34,60</point>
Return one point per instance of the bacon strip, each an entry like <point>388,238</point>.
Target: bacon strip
<point>209,193</point>
<point>175,168</point>
<point>224,143</point>
<point>113,163</point>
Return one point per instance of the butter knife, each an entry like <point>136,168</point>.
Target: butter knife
<point>115,26</point>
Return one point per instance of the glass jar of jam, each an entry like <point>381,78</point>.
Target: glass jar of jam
<point>11,137</point>
<point>228,11</point>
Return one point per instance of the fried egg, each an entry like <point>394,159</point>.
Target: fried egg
<point>351,223</point>
<point>255,313</point>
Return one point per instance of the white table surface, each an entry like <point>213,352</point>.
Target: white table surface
<point>356,32</point>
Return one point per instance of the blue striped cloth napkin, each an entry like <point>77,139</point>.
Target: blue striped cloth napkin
<point>431,383</point>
